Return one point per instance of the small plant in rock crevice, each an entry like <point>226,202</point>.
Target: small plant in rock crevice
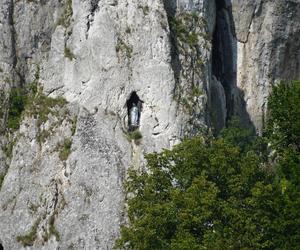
<point>134,135</point>
<point>17,102</point>
<point>28,239</point>
<point>144,8</point>
<point>65,150</point>
<point>65,19</point>
<point>187,31</point>
<point>124,49</point>
<point>69,54</point>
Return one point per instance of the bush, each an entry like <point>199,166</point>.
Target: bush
<point>206,193</point>
<point>69,54</point>
<point>135,135</point>
<point>17,101</point>
<point>65,19</point>
<point>40,106</point>
<point>65,150</point>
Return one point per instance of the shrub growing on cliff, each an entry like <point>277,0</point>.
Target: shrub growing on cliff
<point>69,54</point>
<point>65,150</point>
<point>17,100</point>
<point>28,239</point>
<point>31,101</point>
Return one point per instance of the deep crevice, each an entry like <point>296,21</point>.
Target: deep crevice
<point>12,32</point>
<point>170,7</point>
<point>224,54</point>
<point>21,77</point>
<point>224,65</point>
<point>94,6</point>
<point>90,18</point>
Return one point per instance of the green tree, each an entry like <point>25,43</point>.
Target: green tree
<point>283,127</point>
<point>229,192</point>
<point>206,193</point>
<point>283,132</point>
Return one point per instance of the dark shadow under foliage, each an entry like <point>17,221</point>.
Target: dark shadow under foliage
<point>229,192</point>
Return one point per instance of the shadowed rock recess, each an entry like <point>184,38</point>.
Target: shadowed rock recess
<point>68,71</point>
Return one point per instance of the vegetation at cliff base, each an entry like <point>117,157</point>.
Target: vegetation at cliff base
<point>233,191</point>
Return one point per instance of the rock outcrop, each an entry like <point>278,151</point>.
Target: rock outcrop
<point>191,63</point>
<point>268,45</point>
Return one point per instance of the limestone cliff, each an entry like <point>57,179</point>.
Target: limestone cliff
<point>191,65</point>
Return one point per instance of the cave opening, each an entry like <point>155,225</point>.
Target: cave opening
<point>134,109</point>
<point>224,53</point>
<point>1,247</point>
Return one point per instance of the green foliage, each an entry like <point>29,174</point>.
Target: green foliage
<point>123,48</point>
<point>128,30</point>
<point>40,106</point>
<point>283,132</point>
<point>74,126</point>
<point>203,194</point>
<point>185,27</point>
<point>284,115</point>
<point>30,101</point>
<point>52,228</point>
<point>188,39</point>
<point>65,150</point>
<point>65,19</point>
<point>69,54</point>
<point>225,192</point>
<point>134,135</point>
<point>43,135</point>
<point>144,8</point>
<point>17,101</point>
<point>28,239</point>
<point>196,91</point>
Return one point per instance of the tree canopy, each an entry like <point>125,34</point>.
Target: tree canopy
<point>233,191</point>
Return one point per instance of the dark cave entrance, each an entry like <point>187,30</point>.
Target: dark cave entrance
<point>224,53</point>
<point>1,247</point>
<point>134,109</point>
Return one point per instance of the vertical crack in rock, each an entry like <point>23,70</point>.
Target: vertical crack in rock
<point>225,91</point>
<point>90,18</point>
<point>224,54</point>
<point>170,7</point>
<point>20,79</point>
<point>189,46</point>
<point>13,32</point>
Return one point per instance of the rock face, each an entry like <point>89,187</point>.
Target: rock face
<point>191,63</point>
<point>268,45</point>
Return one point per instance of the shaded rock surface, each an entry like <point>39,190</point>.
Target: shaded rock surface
<point>268,34</point>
